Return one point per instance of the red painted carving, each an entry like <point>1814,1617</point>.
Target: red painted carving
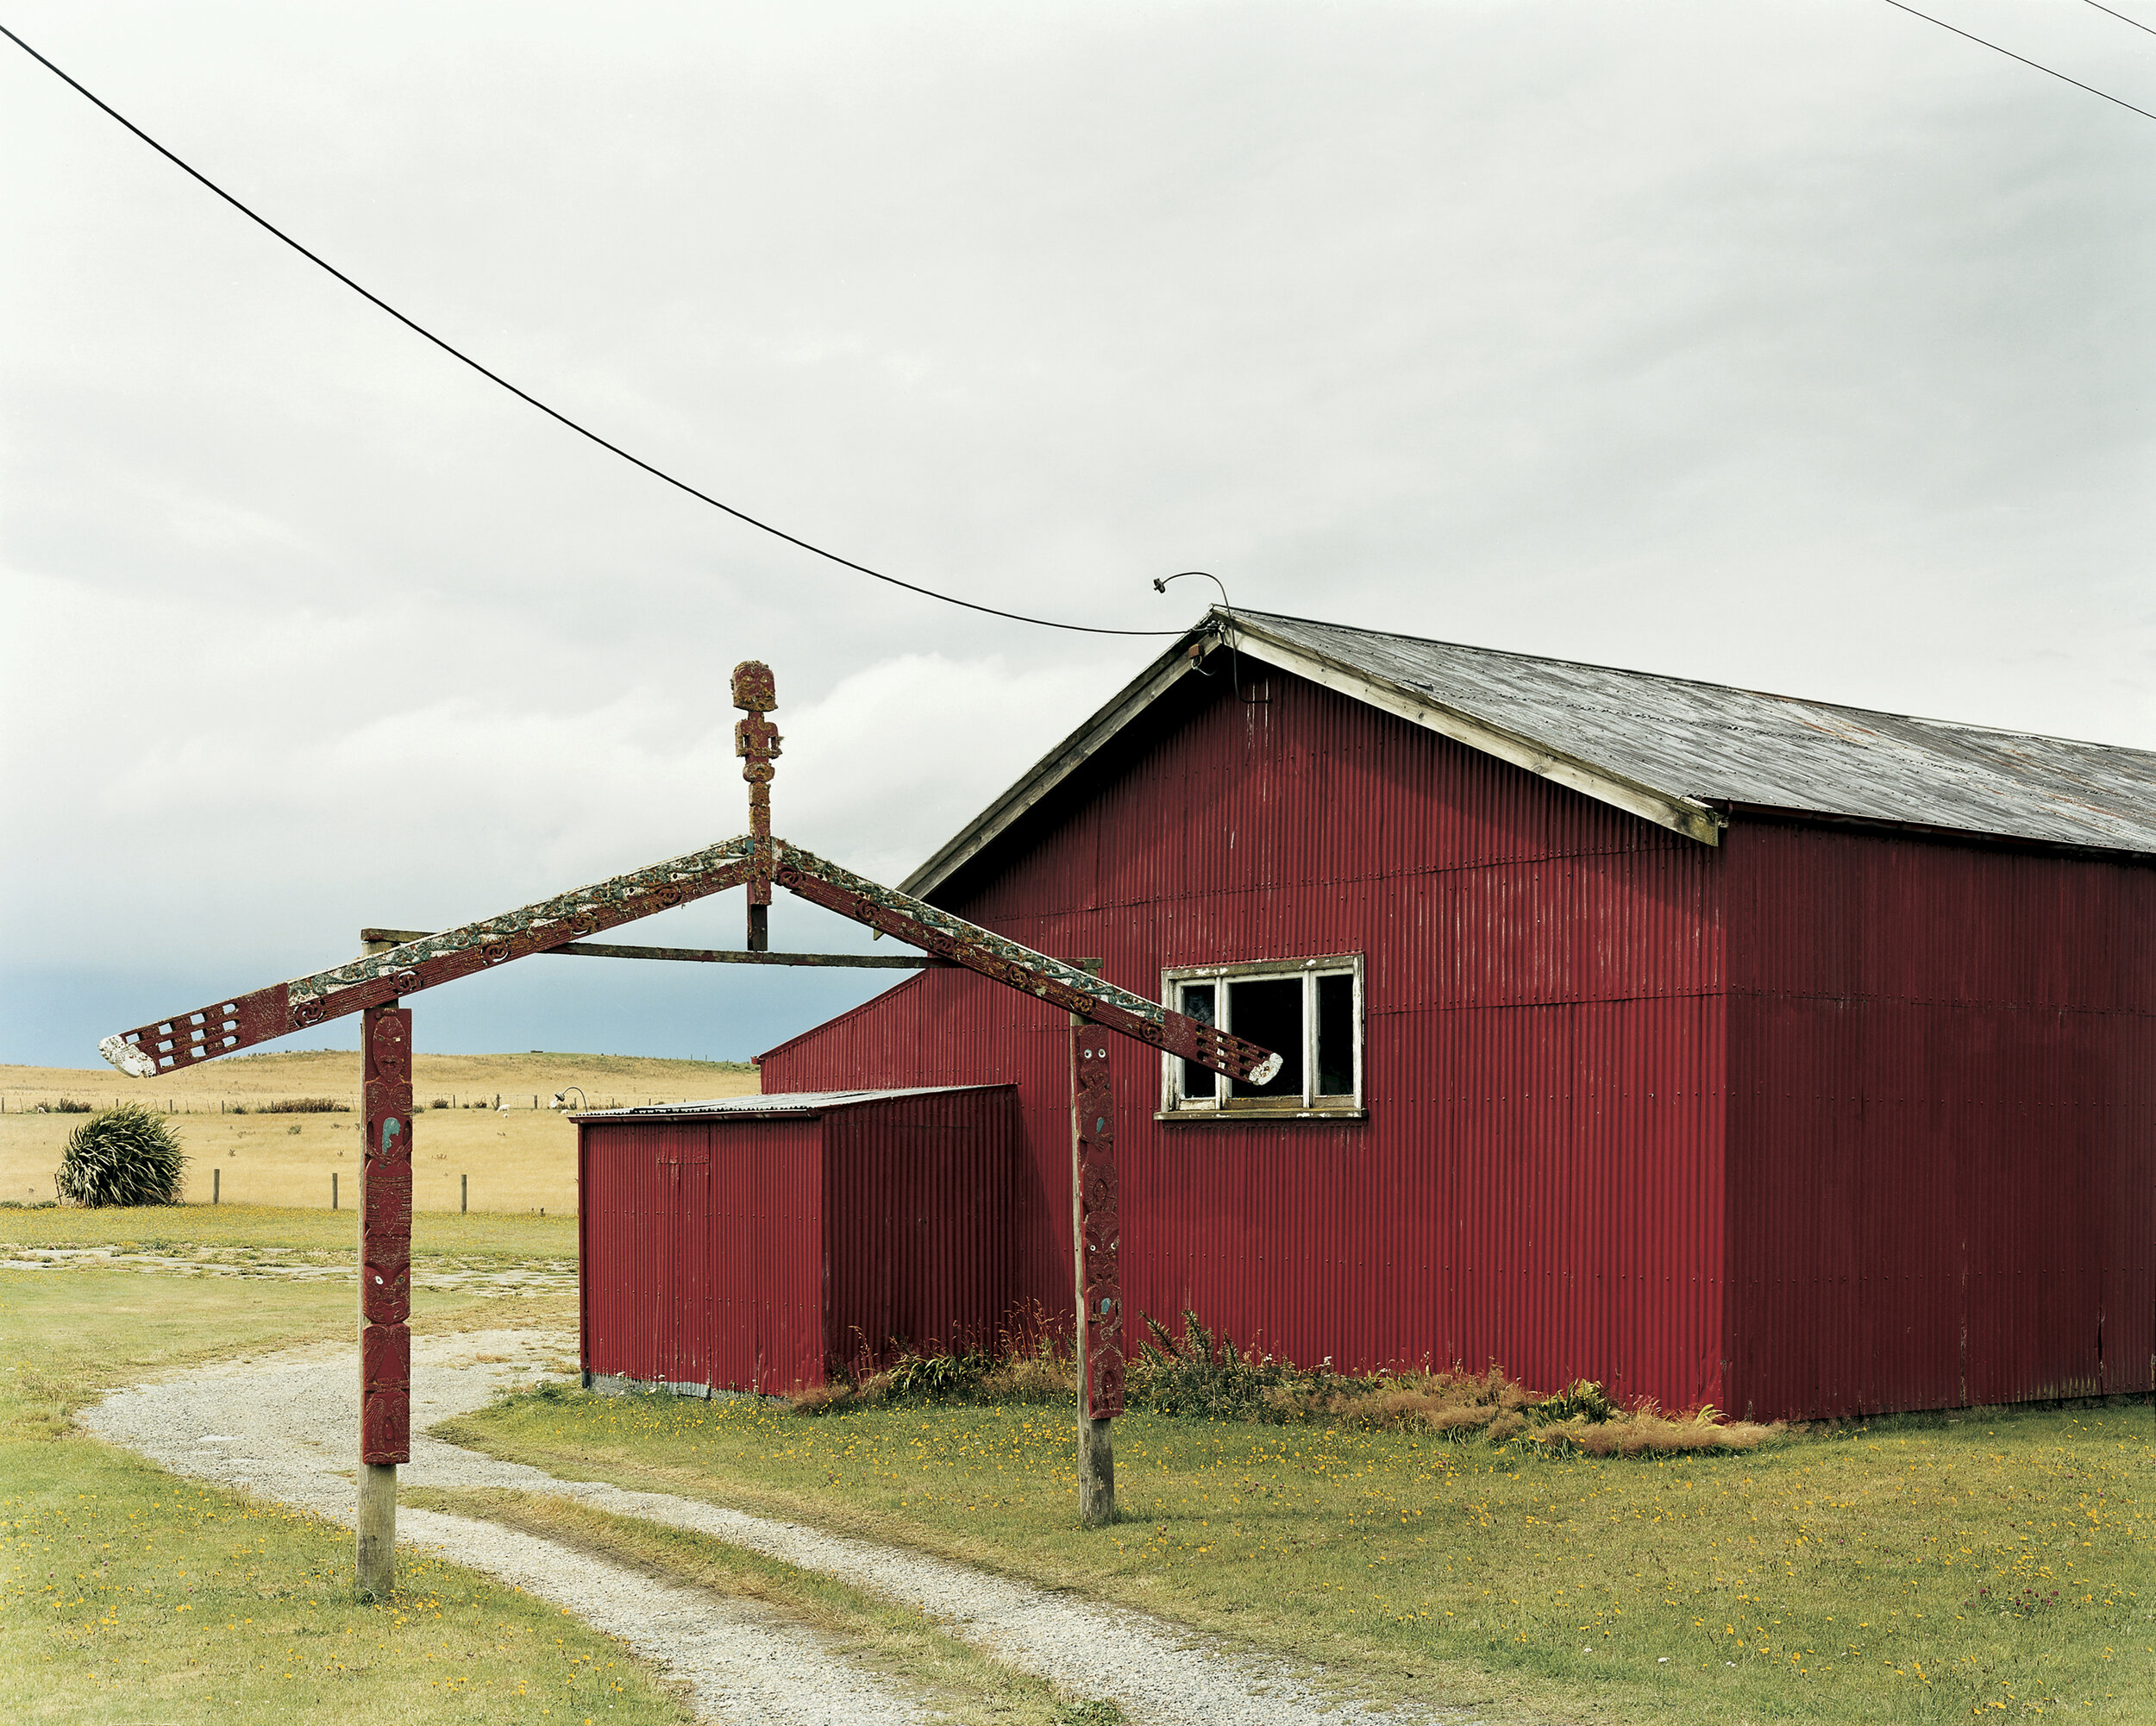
<point>384,1293</point>
<point>384,1358</point>
<point>385,1235</point>
<point>1020,968</point>
<point>385,1427</point>
<point>1096,1225</point>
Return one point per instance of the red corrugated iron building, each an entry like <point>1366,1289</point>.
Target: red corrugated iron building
<point>753,1243</point>
<point>1722,1047</point>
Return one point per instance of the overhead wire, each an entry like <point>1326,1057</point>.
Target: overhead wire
<point>526,397</point>
<point>2038,65</point>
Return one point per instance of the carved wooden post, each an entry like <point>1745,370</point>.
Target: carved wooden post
<point>1094,1232</point>
<point>385,1289</point>
<point>757,742</point>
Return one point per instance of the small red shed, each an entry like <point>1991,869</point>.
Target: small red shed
<point>1718,1045</point>
<point>758,1243</point>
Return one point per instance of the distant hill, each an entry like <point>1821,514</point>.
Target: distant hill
<point>335,1073</point>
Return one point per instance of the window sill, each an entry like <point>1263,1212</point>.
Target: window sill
<point>1255,1117</point>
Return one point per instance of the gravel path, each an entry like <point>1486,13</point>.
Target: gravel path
<point>281,1426</point>
<point>525,1276</point>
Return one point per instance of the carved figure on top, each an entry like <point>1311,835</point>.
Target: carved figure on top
<point>755,739</point>
<point>757,742</point>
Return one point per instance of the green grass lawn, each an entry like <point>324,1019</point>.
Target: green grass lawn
<point>127,1594</point>
<point>435,1234</point>
<point>1903,1572</point>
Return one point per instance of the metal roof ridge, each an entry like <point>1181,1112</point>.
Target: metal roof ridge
<point>1239,613</point>
<point>1701,813</point>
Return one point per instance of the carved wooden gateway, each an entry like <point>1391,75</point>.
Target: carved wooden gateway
<point>376,985</point>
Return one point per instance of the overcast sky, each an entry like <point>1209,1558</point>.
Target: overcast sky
<point>1805,347</point>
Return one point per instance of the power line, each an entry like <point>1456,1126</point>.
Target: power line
<point>2024,58</point>
<point>2121,16</point>
<point>526,397</point>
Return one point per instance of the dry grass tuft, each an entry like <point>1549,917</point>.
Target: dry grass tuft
<point>1203,1374</point>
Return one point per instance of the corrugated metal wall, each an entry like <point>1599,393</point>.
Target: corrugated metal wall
<point>1943,1123</point>
<point>702,1251</point>
<point>1538,1181</point>
<point>919,1222</point>
<point>748,1255</point>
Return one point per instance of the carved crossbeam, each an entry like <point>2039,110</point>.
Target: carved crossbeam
<point>225,1027</point>
<point>922,925</point>
<point>702,956</point>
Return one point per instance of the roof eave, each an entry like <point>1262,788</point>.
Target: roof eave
<point>2031,843</point>
<point>1057,765</point>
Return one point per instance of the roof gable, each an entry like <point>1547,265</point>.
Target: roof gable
<point>1681,754</point>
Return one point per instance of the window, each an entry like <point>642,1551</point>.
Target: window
<point>1308,1011</point>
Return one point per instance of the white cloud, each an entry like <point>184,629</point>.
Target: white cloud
<point>1802,347</point>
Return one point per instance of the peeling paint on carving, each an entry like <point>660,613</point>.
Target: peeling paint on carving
<point>247,1020</point>
<point>127,1057</point>
<point>921,924</point>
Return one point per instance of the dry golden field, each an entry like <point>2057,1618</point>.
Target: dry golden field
<point>522,1159</point>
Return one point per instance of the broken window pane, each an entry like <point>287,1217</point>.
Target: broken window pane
<point>1197,1003</point>
<point>1335,1035</point>
<point>1268,1012</point>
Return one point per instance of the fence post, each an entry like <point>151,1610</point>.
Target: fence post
<point>217,1180</point>
<point>464,1195</point>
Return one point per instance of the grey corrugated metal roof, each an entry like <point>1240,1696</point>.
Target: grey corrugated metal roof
<point>779,1103</point>
<point>1710,744</point>
<point>1667,749</point>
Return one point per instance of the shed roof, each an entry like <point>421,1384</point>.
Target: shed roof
<point>757,1107</point>
<point>1684,754</point>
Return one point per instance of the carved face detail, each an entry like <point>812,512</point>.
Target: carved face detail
<point>389,1049</point>
<point>386,1293</point>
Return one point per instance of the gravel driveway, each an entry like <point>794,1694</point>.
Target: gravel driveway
<point>282,1426</point>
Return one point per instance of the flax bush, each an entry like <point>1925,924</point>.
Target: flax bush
<point>124,1156</point>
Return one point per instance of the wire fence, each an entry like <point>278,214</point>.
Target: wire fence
<point>19,1101</point>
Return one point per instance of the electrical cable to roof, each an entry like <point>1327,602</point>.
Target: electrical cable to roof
<point>1216,629</point>
<point>525,396</point>
<point>2025,59</point>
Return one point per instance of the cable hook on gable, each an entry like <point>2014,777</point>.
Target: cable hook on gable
<point>1224,633</point>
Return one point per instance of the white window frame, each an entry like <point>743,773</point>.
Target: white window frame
<point>1174,1106</point>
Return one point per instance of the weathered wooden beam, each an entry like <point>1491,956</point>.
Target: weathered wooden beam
<point>386,1121</point>
<point>1054,981</point>
<point>705,955</point>
<point>1097,1335</point>
<point>237,1022</point>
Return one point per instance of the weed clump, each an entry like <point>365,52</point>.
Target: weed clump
<point>1030,1364</point>
<point>1204,1374</point>
<point>125,1155</point>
